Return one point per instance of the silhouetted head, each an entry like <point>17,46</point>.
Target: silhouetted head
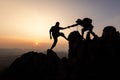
<point>87,20</point>
<point>57,24</point>
<point>78,21</point>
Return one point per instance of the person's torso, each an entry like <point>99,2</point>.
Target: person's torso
<point>87,25</point>
<point>55,30</point>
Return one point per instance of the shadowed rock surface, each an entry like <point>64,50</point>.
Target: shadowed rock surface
<point>97,58</point>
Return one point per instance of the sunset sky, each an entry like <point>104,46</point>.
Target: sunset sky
<point>26,23</point>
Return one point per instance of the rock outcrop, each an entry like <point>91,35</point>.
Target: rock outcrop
<point>88,58</point>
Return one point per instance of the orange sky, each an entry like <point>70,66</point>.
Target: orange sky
<point>25,23</point>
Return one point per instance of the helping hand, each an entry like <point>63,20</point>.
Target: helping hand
<point>68,26</point>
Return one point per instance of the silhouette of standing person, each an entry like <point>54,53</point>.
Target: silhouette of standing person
<point>86,23</point>
<point>55,30</point>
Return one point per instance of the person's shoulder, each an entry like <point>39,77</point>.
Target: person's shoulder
<point>52,27</point>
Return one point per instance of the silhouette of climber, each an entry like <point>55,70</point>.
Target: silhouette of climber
<point>86,23</point>
<point>55,30</point>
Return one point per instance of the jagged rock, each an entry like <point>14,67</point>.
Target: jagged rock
<point>34,66</point>
<point>52,57</point>
<point>88,59</point>
<point>75,45</point>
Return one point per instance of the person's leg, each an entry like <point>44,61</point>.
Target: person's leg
<point>54,43</point>
<point>88,36</point>
<point>62,34</point>
<point>92,33</point>
<point>83,30</point>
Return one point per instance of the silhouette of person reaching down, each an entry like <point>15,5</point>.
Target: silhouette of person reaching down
<point>86,23</point>
<point>55,30</point>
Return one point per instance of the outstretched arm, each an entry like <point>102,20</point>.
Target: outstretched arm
<point>50,33</point>
<point>68,26</point>
<point>72,25</point>
<point>62,28</point>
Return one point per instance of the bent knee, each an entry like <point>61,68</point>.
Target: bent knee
<point>61,34</point>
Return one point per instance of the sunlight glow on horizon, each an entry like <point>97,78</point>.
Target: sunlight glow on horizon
<point>27,22</point>
<point>37,43</point>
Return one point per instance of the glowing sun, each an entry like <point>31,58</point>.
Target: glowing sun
<point>36,43</point>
